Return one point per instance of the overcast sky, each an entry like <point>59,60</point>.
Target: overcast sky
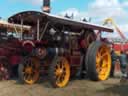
<point>98,10</point>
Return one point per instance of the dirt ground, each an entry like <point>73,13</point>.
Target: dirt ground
<point>110,87</point>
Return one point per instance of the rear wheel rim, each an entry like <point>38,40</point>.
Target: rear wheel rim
<point>31,70</point>
<point>103,62</point>
<point>62,72</point>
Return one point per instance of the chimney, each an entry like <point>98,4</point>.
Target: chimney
<point>46,6</point>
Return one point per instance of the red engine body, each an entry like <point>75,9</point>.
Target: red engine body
<point>11,50</point>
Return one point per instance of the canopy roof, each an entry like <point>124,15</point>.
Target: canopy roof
<point>12,27</point>
<point>31,17</point>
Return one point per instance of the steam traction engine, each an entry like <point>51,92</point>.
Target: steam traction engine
<point>60,47</point>
<point>11,49</point>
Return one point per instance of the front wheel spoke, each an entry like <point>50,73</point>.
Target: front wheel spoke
<point>58,67</point>
<point>101,50</point>
<point>104,65</point>
<point>97,65</point>
<point>98,55</point>
<point>98,69</point>
<point>56,72</point>
<point>61,65</point>
<point>25,76</point>
<point>102,72</point>
<point>58,79</point>
<point>25,70</point>
<point>29,76</point>
<point>62,78</point>
<point>97,61</point>
<point>63,75</point>
<point>64,72</point>
<point>58,63</point>
<point>103,55</point>
<point>64,69</point>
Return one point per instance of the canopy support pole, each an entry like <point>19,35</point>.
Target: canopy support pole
<point>45,28</point>
<point>38,29</point>
<point>21,37</point>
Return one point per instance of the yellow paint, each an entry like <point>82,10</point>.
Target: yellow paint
<point>62,73</point>
<point>31,74</point>
<point>103,62</point>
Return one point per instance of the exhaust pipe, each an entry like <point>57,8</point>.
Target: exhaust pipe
<point>46,6</point>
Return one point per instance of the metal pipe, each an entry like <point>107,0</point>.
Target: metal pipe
<point>55,51</point>
<point>50,52</point>
<point>45,28</point>
<point>21,29</point>
<point>38,29</point>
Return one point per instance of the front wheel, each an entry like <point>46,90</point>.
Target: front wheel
<point>59,72</point>
<point>98,61</point>
<point>29,70</point>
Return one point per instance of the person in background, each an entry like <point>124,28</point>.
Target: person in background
<point>114,58</point>
<point>124,65</point>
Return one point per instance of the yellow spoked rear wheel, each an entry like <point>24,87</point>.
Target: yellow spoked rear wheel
<point>59,72</point>
<point>98,61</point>
<point>103,62</point>
<point>29,71</point>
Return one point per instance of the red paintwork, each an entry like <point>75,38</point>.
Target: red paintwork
<point>14,60</point>
<point>120,47</point>
<point>11,50</point>
<point>82,43</point>
<point>117,47</point>
<point>4,52</point>
<point>28,47</point>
